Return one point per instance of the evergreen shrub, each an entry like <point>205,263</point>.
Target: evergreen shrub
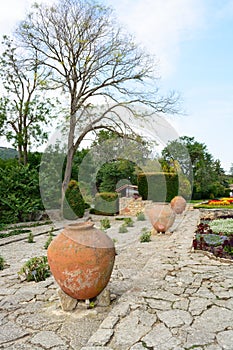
<point>158,187</point>
<point>74,205</point>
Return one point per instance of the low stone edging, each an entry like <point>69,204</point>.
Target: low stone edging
<point>212,256</point>
<point>215,213</point>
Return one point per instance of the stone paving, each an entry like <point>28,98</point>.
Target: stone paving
<point>164,297</point>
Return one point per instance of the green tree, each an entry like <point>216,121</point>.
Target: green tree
<point>115,174</point>
<point>121,157</point>
<point>193,159</point>
<point>23,108</point>
<point>89,56</point>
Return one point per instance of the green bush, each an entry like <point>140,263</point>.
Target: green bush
<point>158,187</point>
<point>36,269</point>
<point>106,203</point>
<point>20,198</point>
<point>74,205</point>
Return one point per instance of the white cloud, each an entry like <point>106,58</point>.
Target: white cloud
<point>162,25</point>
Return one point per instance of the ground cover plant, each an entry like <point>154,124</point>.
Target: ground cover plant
<point>31,238</point>
<point>105,224</point>
<point>128,222</point>
<point>13,233</point>
<point>2,262</point>
<point>145,236</point>
<point>141,216</point>
<point>35,269</point>
<point>50,238</point>
<point>123,229</point>
<point>215,237</point>
<point>222,225</point>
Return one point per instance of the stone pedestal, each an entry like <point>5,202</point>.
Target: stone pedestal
<point>69,304</point>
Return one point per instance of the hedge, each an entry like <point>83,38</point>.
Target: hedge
<point>158,187</point>
<point>106,203</point>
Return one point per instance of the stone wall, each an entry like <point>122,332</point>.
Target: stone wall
<point>131,206</point>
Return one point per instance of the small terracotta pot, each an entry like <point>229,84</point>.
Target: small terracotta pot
<point>178,204</point>
<point>161,216</point>
<point>81,259</point>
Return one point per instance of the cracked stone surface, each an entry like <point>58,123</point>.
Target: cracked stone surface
<point>164,297</point>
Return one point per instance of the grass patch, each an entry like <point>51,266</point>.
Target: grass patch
<point>4,227</point>
<point>207,206</point>
<point>14,233</point>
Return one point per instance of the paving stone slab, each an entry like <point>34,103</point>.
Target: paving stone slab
<point>97,348</point>
<point>166,297</point>
<point>225,339</point>
<point>175,318</point>
<point>48,340</point>
<point>10,331</point>
<point>132,328</point>
<point>161,338</point>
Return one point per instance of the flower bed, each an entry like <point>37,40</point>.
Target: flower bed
<point>215,237</point>
<point>225,203</point>
<point>221,202</point>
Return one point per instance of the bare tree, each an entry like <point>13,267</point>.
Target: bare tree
<point>23,109</point>
<point>90,57</point>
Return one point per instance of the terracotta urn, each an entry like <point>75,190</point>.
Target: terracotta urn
<point>81,259</point>
<point>178,204</point>
<point>161,217</point>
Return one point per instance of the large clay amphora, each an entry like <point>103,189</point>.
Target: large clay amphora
<point>81,259</point>
<point>161,216</point>
<point>178,204</point>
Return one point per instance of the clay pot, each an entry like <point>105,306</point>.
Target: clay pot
<point>178,204</point>
<point>161,217</point>
<point>81,259</point>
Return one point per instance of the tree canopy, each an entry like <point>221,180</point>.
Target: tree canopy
<point>24,110</point>
<point>90,58</point>
<point>195,161</point>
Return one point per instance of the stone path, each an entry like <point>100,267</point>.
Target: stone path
<point>165,298</point>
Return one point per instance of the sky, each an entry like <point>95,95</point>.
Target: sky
<point>192,41</point>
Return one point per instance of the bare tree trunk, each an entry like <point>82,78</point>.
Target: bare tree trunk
<point>70,156</point>
<point>25,154</point>
<point>20,154</point>
<point>67,175</point>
